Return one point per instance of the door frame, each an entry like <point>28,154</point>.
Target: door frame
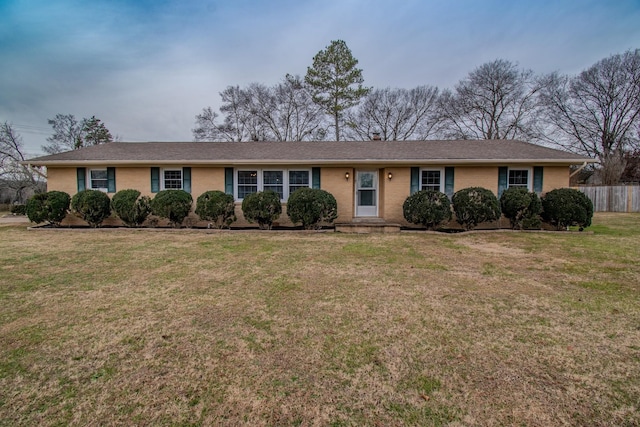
<point>367,211</point>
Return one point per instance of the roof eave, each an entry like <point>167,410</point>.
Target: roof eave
<point>323,162</point>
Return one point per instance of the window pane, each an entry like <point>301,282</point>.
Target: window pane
<point>247,183</point>
<point>298,179</point>
<point>366,197</point>
<point>518,178</point>
<point>431,180</point>
<point>272,177</point>
<point>173,180</point>
<point>98,178</point>
<point>272,180</point>
<point>366,179</point>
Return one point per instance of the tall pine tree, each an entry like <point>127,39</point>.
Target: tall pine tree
<point>335,82</point>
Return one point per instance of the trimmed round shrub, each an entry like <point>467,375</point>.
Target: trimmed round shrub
<point>428,208</point>
<point>312,207</point>
<point>50,207</point>
<point>173,205</point>
<point>522,207</point>
<point>218,207</point>
<point>130,207</point>
<point>262,207</point>
<point>564,207</point>
<point>93,206</point>
<point>475,205</point>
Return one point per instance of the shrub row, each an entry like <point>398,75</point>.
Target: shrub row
<point>561,208</point>
<point>310,207</point>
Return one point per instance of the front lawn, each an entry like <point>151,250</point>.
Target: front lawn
<point>125,327</point>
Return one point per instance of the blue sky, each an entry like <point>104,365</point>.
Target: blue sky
<point>146,68</point>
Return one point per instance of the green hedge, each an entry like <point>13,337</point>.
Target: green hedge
<point>173,205</point>
<point>475,205</point>
<point>263,207</point>
<point>565,207</point>
<point>50,207</point>
<point>428,208</point>
<point>312,207</point>
<point>521,207</point>
<point>218,207</point>
<point>93,206</point>
<point>132,208</point>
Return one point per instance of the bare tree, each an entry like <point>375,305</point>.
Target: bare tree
<point>284,112</point>
<point>69,134</point>
<point>395,114</point>
<point>495,101</point>
<point>597,112</point>
<point>241,122</point>
<point>14,176</point>
<point>206,127</point>
<point>288,110</point>
<point>66,134</point>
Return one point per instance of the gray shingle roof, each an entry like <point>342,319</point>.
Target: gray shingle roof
<point>320,153</point>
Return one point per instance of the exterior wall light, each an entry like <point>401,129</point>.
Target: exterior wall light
<point>346,176</point>
<point>390,176</point>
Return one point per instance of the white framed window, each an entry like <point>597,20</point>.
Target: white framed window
<point>299,179</point>
<point>98,179</point>
<point>432,179</point>
<point>247,183</point>
<point>519,178</point>
<point>273,181</point>
<point>172,179</point>
<point>282,181</point>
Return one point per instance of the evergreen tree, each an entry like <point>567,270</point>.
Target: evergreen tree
<point>335,82</point>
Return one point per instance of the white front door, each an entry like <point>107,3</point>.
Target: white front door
<point>366,193</point>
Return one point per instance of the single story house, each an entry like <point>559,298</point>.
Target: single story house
<point>369,179</point>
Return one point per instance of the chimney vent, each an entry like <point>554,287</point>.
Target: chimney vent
<point>376,136</point>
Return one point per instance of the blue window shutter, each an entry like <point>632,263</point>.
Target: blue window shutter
<point>537,179</point>
<point>448,181</point>
<point>315,177</point>
<point>502,179</point>
<point>415,180</point>
<point>82,178</point>
<point>111,180</point>
<point>186,179</point>
<point>155,180</point>
<point>228,180</point>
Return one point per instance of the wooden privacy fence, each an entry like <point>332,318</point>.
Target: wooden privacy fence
<point>614,198</point>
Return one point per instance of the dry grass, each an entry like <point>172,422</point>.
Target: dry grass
<point>270,328</point>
